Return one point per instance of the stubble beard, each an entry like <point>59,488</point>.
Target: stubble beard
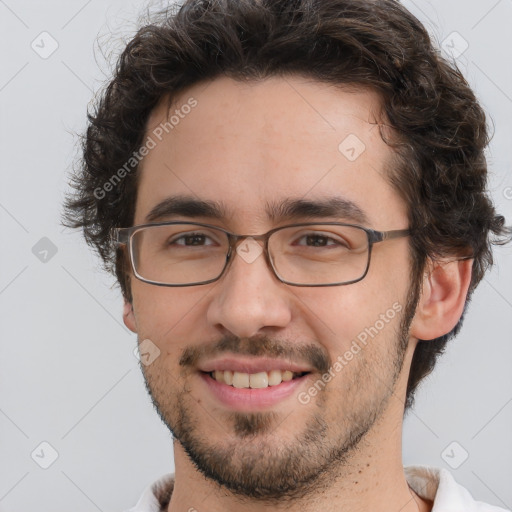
<point>253,461</point>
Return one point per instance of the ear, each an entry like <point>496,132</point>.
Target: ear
<point>442,299</point>
<point>129,316</point>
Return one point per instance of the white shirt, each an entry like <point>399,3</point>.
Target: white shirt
<point>436,485</point>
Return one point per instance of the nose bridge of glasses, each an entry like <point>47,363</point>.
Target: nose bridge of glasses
<point>235,241</point>
<point>248,247</point>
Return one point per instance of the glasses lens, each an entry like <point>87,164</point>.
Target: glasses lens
<point>319,254</point>
<point>179,253</point>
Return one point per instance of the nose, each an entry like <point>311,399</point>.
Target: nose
<point>249,297</point>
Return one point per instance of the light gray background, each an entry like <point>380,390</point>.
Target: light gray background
<point>68,375</point>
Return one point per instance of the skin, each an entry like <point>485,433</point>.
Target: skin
<point>246,144</point>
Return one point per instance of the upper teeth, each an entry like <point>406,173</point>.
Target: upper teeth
<point>252,380</point>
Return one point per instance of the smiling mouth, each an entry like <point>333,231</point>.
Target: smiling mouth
<point>254,380</point>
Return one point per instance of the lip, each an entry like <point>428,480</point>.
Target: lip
<point>252,365</point>
<point>249,400</point>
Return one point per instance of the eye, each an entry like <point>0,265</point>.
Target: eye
<point>191,240</point>
<point>322,240</point>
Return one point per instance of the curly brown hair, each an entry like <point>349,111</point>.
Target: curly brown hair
<point>441,129</point>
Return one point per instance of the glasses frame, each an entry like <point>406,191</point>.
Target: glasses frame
<point>124,237</point>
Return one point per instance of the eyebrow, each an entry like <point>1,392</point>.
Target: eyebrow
<point>285,211</point>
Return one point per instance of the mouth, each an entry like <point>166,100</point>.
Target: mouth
<point>248,384</point>
<point>259,380</point>
<point>250,392</point>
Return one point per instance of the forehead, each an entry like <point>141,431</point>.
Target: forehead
<point>246,145</point>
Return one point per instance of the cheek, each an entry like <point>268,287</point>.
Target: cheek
<point>356,314</point>
<point>165,313</point>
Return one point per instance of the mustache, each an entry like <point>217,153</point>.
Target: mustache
<point>263,346</point>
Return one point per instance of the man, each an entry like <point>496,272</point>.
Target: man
<point>292,196</point>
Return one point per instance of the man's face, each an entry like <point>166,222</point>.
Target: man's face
<point>247,146</point>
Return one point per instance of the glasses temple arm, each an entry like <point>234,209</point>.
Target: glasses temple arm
<point>395,233</point>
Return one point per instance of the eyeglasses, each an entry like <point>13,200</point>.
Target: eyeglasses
<point>308,254</point>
